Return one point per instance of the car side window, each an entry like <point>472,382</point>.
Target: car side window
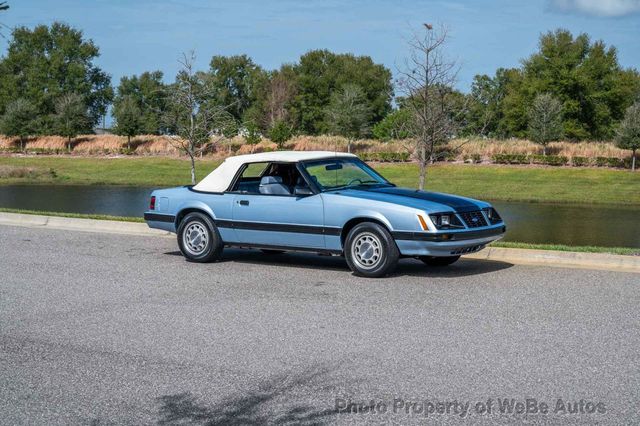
<point>249,180</point>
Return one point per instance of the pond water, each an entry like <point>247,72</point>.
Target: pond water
<point>600,225</point>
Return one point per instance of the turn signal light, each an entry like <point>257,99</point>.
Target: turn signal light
<point>423,223</point>
<point>152,203</point>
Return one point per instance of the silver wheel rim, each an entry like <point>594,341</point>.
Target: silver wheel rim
<point>366,250</point>
<point>195,238</point>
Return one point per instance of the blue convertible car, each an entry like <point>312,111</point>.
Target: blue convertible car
<point>321,202</point>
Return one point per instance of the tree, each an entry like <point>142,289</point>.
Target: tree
<point>149,93</point>
<point>251,134</point>
<point>18,120</point>
<point>235,80</point>
<point>198,122</point>
<point>71,116</point>
<point>280,132</point>
<point>348,113</point>
<point>427,82</point>
<point>321,72</point>
<point>396,125</point>
<point>545,120</point>
<point>128,118</point>
<point>628,133</point>
<point>585,77</point>
<point>46,62</point>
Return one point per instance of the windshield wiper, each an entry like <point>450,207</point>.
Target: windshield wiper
<point>363,183</point>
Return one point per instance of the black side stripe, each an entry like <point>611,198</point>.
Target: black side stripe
<point>279,227</point>
<point>158,217</point>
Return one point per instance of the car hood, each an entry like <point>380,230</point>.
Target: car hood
<point>430,201</point>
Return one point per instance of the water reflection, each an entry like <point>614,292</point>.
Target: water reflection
<point>527,222</point>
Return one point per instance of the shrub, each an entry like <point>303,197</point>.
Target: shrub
<point>510,159</point>
<point>580,161</point>
<point>385,156</point>
<point>610,162</point>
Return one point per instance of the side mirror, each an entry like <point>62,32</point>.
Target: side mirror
<point>302,190</point>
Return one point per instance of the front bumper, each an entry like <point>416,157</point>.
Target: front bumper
<point>446,243</point>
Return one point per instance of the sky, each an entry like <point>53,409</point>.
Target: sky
<point>145,35</point>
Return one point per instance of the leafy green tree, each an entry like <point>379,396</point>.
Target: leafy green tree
<point>585,77</point>
<point>149,93</point>
<point>236,80</point>
<point>71,117</point>
<point>19,120</point>
<point>396,125</point>
<point>628,133</point>
<point>485,116</point>
<point>128,118</point>
<point>349,113</point>
<point>251,134</point>
<point>545,120</point>
<point>46,62</point>
<point>321,72</point>
<point>280,133</point>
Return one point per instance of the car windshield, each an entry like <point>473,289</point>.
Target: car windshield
<point>341,173</point>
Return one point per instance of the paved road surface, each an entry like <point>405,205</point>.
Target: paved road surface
<point>105,329</point>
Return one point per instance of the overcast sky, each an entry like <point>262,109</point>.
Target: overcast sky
<point>136,36</point>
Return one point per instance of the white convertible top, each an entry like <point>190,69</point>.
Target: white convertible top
<point>220,179</point>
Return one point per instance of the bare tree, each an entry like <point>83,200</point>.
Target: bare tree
<point>427,83</point>
<point>280,91</point>
<point>545,120</point>
<point>628,134</point>
<point>348,113</point>
<point>199,122</point>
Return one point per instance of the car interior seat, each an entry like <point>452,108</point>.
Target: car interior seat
<point>273,185</point>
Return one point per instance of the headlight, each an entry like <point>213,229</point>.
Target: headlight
<point>492,215</point>
<point>445,221</point>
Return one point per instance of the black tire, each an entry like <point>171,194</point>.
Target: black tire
<point>439,261</point>
<point>208,247</point>
<point>271,252</point>
<point>380,254</point>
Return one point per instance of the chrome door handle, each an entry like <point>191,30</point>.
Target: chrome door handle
<point>243,202</point>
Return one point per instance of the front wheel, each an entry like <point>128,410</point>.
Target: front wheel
<point>370,250</point>
<point>439,261</point>
<point>199,239</point>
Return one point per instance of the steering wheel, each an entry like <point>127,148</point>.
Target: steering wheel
<point>354,180</point>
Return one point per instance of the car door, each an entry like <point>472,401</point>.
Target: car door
<point>279,220</point>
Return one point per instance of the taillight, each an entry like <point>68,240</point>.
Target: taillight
<point>152,203</point>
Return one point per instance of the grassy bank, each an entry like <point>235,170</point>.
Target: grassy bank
<point>507,183</point>
<point>505,244</point>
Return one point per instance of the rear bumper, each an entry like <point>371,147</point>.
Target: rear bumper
<point>446,244</point>
<point>162,221</point>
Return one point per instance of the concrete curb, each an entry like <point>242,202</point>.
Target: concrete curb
<point>601,261</point>
<point>76,224</point>
<point>563,259</point>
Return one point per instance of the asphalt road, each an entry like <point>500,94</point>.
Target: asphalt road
<point>106,329</point>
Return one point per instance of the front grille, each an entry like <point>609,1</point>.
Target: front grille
<point>473,219</point>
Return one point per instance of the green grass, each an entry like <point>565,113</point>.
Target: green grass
<point>74,215</point>
<point>561,247</point>
<point>504,183</point>
<point>505,244</point>
<point>145,171</point>
<point>524,183</point>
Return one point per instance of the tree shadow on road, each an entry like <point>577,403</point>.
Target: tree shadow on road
<point>406,267</point>
<point>269,403</point>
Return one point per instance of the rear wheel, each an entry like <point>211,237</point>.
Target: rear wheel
<point>199,239</point>
<point>370,250</point>
<point>439,261</point>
